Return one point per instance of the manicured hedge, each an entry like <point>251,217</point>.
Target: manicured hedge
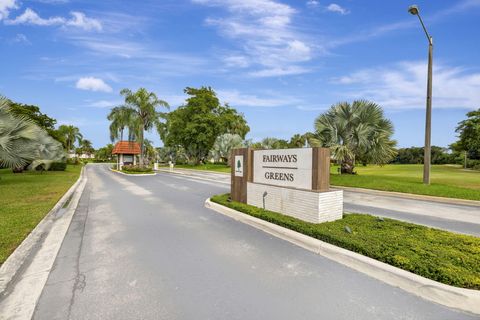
<point>442,256</point>
<point>58,166</point>
<point>137,169</point>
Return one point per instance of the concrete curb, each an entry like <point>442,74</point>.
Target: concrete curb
<point>458,298</point>
<point>136,175</point>
<point>24,273</point>
<point>412,196</point>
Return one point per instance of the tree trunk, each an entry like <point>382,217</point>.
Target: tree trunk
<point>141,147</point>
<point>347,166</point>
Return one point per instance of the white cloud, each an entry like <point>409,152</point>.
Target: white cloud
<point>6,6</point>
<point>236,61</point>
<point>235,98</point>
<point>279,71</point>
<point>31,17</point>
<point>333,7</point>
<point>78,20</point>
<point>404,86</point>
<point>312,3</point>
<point>93,84</point>
<point>105,104</point>
<point>263,32</point>
<point>21,38</point>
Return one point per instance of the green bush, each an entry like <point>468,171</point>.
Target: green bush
<point>137,169</point>
<point>442,256</point>
<point>73,161</point>
<point>58,166</point>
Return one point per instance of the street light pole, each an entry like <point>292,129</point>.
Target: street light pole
<point>428,119</point>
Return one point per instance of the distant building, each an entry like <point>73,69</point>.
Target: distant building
<point>81,156</point>
<point>127,152</point>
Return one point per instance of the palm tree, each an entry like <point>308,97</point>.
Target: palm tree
<point>144,114</point>
<point>18,136</point>
<point>223,146</point>
<point>70,135</point>
<point>355,131</point>
<point>121,118</point>
<point>86,146</point>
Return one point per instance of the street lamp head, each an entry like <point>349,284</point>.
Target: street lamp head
<point>413,9</point>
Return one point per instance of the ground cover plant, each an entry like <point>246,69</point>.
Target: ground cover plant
<point>442,256</point>
<point>25,199</point>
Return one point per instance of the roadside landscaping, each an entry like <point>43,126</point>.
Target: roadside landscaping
<point>442,256</point>
<point>134,169</point>
<point>25,200</point>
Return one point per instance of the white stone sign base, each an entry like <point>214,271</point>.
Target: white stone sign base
<point>310,206</point>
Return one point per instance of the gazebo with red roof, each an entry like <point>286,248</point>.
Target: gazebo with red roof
<point>127,152</point>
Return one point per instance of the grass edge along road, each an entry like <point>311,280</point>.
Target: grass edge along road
<point>448,181</point>
<point>25,200</point>
<point>443,256</point>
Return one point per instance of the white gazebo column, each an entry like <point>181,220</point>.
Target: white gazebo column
<point>134,160</point>
<point>121,161</point>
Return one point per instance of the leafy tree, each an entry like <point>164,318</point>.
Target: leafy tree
<point>355,131</point>
<point>196,124</point>
<point>144,115</point>
<point>86,147</point>
<point>69,135</point>
<point>104,153</point>
<point>223,146</point>
<point>273,143</point>
<point>232,121</point>
<point>121,118</point>
<point>33,113</point>
<point>175,154</point>
<point>150,152</point>
<point>414,155</point>
<point>297,141</point>
<point>469,135</point>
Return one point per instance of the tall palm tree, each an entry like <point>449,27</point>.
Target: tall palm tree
<point>356,131</point>
<point>121,118</point>
<point>18,136</point>
<point>86,146</point>
<point>144,114</point>
<point>70,135</point>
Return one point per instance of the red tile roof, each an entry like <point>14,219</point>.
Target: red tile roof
<point>126,147</point>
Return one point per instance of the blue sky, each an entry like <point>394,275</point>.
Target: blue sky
<point>281,63</point>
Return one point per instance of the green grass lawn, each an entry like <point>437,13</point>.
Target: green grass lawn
<point>25,198</point>
<point>446,180</point>
<point>442,256</point>
<point>217,167</point>
<point>449,181</point>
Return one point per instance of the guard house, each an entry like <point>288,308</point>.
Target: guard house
<point>127,152</point>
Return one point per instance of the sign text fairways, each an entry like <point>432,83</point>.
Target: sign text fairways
<point>284,167</point>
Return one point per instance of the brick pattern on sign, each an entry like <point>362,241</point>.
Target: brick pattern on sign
<point>306,205</point>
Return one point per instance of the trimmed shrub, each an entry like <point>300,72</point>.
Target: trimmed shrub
<point>58,166</point>
<point>439,255</point>
<point>132,168</point>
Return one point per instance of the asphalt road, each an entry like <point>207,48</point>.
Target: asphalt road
<point>146,248</point>
<point>458,218</point>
